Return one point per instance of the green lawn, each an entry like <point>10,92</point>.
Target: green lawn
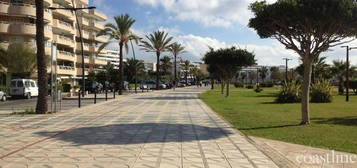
<point>334,125</point>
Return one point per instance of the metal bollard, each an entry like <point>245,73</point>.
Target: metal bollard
<point>106,94</point>
<point>114,93</point>
<point>95,96</point>
<point>79,99</point>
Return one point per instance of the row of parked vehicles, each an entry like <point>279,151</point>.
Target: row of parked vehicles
<point>27,88</point>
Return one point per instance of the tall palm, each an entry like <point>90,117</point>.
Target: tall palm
<point>338,68</point>
<point>157,42</point>
<point>132,65</point>
<point>41,107</point>
<point>121,33</point>
<point>176,49</point>
<point>186,68</point>
<point>263,73</point>
<point>165,64</point>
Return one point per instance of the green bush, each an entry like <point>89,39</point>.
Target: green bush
<point>289,92</point>
<point>5,89</point>
<point>249,87</point>
<point>66,87</point>
<point>238,85</point>
<point>267,84</point>
<point>321,92</point>
<point>258,89</point>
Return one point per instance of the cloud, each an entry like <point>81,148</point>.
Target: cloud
<point>218,13</point>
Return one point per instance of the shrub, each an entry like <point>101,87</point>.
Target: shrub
<point>321,92</point>
<point>238,85</point>
<point>249,87</point>
<point>5,89</point>
<point>289,92</point>
<point>258,89</point>
<point>66,87</point>
<point>267,84</point>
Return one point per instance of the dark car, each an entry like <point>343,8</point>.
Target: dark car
<point>93,86</point>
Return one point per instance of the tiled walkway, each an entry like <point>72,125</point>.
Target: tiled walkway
<point>166,129</point>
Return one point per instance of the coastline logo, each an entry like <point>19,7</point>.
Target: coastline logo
<point>327,158</point>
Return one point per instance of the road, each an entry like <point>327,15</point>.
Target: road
<point>163,129</point>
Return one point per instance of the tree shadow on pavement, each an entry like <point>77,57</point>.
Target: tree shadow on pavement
<point>168,98</point>
<point>120,134</point>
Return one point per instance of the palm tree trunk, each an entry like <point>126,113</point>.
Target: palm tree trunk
<point>41,107</point>
<point>121,71</point>
<point>228,82</point>
<point>175,71</point>
<point>212,83</point>
<point>157,70</point>
<point>305,102</point>
<point>222,87</point>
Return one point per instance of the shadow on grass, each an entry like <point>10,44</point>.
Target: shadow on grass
<point>348,121</point>
<point>167,98</point>
<point>267,95</point>
<point>270,127</point>
<point>118,134</point>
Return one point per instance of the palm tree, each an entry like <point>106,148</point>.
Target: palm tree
<point>338,68</point>
<point>263,73</point>
<point>158,42</point>
<point>186,68</point>
<point>176,49</point>
<point>132,65</point>
<point>121,33</point>
<point>165,64</point>
<point>41,107</point>
<point>19,59</point>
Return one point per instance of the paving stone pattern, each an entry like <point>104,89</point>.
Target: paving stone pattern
<point>164,129</point>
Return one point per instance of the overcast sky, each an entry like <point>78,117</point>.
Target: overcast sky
<point>201,23</point>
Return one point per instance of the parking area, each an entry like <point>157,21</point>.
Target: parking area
<point>20,105</point>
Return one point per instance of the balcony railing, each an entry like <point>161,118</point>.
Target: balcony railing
<point>65,67</point>
<point>66,53</point>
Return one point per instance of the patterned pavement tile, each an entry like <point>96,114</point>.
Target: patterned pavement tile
<point>163,129</point>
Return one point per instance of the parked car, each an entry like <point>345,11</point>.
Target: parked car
<point>23,88</point>
<point>181,84</point>
<point>3,96</point>
<point>92,86</point>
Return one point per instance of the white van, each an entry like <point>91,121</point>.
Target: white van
<point>24,88</point>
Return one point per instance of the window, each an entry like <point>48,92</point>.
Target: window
<point>20,84</point>
<point>33,84</point>
<point>13,84</point>
<point>27,84</point>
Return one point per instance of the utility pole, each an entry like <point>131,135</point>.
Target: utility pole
<point>348,48</point>
<point>136,68</point>
<point>286,67</point>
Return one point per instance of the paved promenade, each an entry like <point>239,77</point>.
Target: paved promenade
<point>164,129</point>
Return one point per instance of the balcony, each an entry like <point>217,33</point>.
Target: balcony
<point>84,22</point>
<point>79,71</point>
<point>98,15</point>
<point>65,55</point>
<point>48,2</point>
<point>66,70</point>
<point>97,26</point>
<point>65,13</point>
<point>102,39</point>
<point>18,28</point>
<point>63,40</point>
<point>100,62</point>
<point>86,46</point>
<point>18,9</point>
<point>86,59</point>
<point>63,26</point>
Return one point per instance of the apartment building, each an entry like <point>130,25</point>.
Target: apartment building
<point>17,24</point>
<point>111,56</point>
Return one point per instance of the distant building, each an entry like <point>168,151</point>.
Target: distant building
<point>111,56</point>
<point>150,66</point>
<point>250,73</point>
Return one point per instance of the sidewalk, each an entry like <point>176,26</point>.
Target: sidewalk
<point>161,129</point>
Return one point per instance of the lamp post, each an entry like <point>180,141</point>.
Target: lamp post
<point>73,9</point>
<point>348,48</point>
<point>135,70</point>
<point>286,67</point>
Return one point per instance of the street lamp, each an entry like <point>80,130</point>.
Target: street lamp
<point>73,9</point>
<point>135,70</point>
<point>348,48</point>
<point>286,68</point>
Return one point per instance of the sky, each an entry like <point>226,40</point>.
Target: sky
<point>197,24</point>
